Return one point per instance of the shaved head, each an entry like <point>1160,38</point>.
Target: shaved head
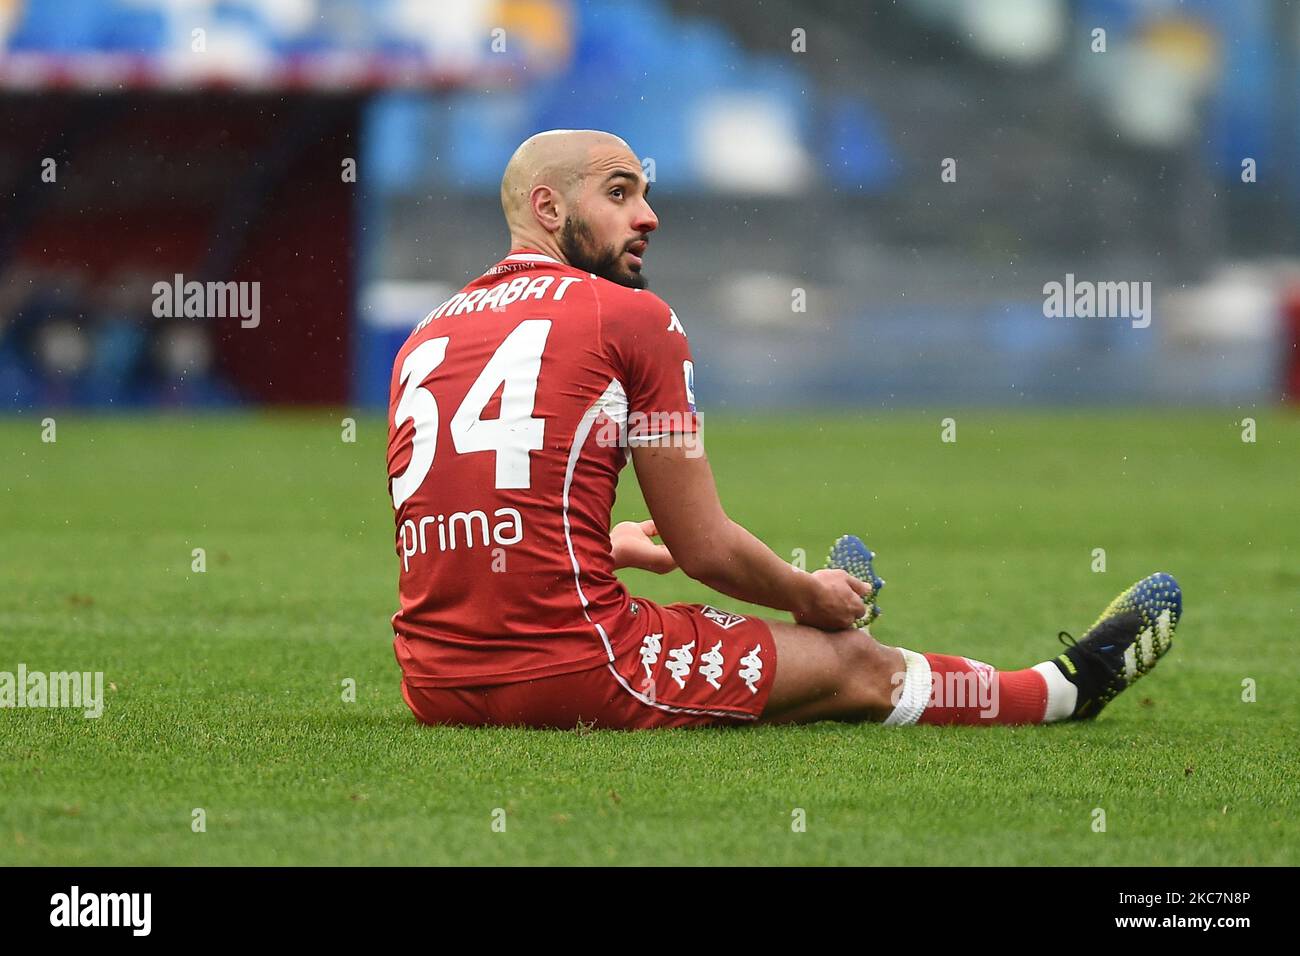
<point>580,195</point>
<point>557,158</point>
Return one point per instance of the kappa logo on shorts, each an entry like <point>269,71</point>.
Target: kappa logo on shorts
<point>724,619</point>
<point>679,663</point>
<point>751,671</point>
<point>651,648</point>
<point>711,665</point>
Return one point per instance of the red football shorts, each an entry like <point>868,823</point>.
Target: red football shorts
<point>694,665</point>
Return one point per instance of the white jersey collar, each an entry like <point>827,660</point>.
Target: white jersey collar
<point>530,257</point>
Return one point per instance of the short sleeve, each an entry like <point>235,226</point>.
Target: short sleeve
<point>646,343</point>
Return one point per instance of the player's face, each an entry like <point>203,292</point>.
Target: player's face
<point>605,231</point>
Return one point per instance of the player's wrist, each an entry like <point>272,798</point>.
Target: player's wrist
<point>803,592</point>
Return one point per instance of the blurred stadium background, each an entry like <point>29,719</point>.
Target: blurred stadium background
<point>208,138</point>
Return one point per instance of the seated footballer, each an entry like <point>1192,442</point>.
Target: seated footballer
<point>514,406</point>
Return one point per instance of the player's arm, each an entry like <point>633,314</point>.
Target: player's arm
<point>646,345</point>
<point>678,486</point>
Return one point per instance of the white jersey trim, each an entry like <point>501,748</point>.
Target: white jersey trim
<point>613,402</point>
<point>529,257</point>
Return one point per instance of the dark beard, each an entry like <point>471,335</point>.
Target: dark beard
<point>579,247</point>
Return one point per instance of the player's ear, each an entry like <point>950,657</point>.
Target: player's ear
<point>548,207</point>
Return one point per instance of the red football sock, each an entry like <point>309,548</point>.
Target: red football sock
<point>964,691</point>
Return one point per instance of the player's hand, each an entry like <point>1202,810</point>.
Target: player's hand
<point>833,600</point>
<point>634,546</point>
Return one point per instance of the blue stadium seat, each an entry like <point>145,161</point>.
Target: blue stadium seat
<point>65,27</point>
<point>133,30</point>
<point>854,147</point>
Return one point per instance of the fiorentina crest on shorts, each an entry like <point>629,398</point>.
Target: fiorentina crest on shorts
<point>724,619</point>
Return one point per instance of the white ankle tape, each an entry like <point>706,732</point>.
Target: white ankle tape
<point>1061,694</point>
<point>915,692</point>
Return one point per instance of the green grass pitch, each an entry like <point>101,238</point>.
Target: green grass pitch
<point>227,685</point>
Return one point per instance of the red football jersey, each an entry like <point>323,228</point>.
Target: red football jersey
<point>512,408</point>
